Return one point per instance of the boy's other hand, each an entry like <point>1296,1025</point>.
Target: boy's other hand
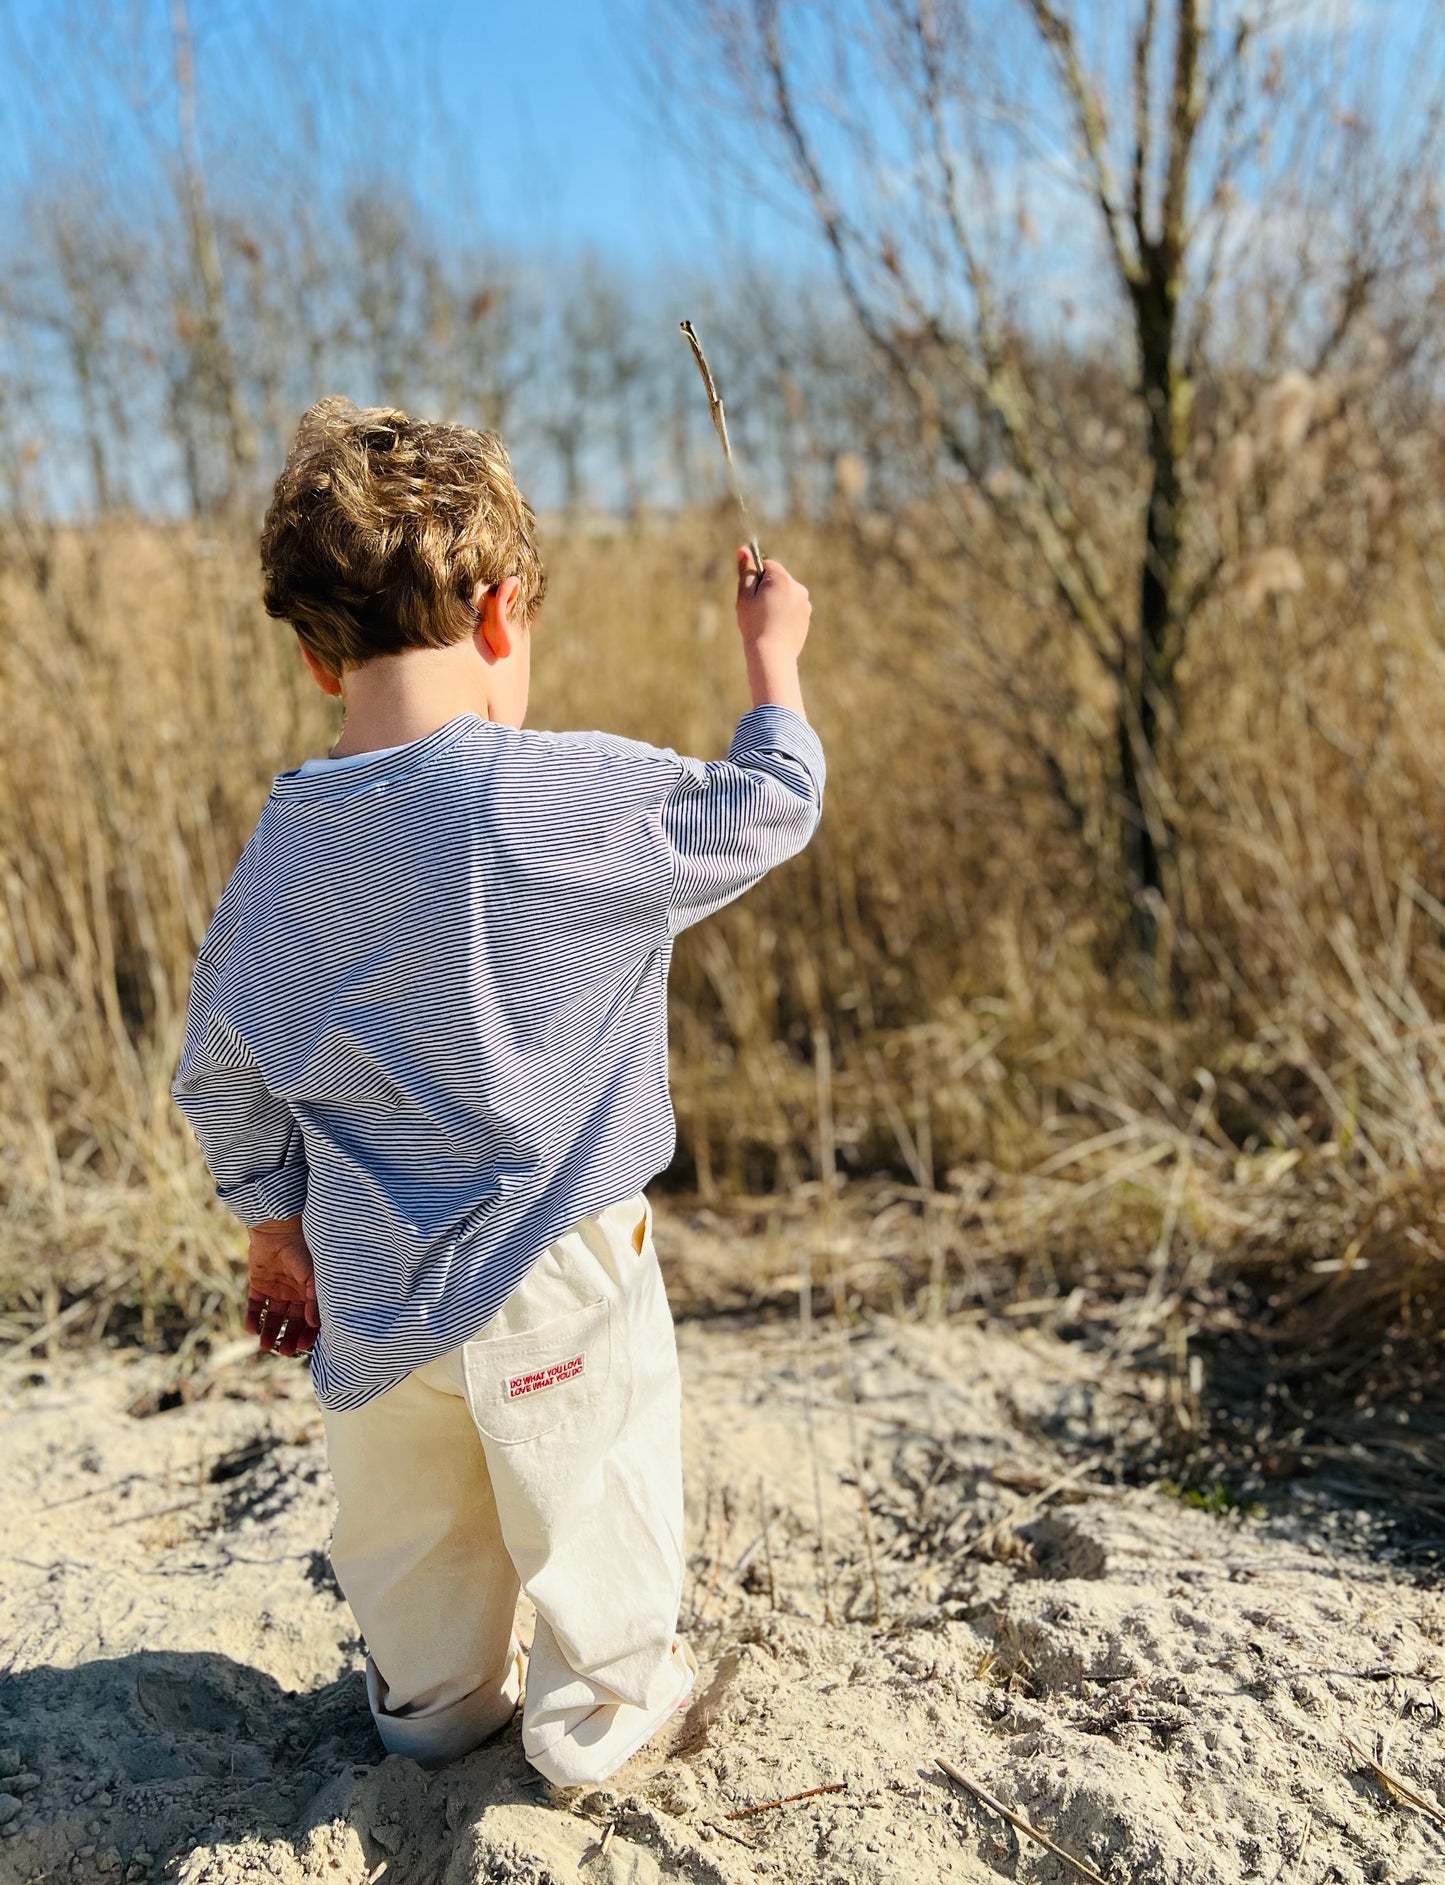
<point>773,616</point>
<point>281,1308</point>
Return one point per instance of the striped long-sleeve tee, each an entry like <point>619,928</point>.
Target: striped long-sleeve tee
<point>430,1011</point>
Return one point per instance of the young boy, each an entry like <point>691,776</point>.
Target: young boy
<point>426,1059</point>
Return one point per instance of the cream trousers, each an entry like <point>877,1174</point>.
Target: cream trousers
<point>545,1453</point>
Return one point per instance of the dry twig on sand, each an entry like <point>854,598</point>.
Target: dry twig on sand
<point>805,1344</point>
<point>1397,1787</point>
<point>787,1799</point>
<point>1081,1866</point>
<point>767,1545</point>
<point>828,1172</point>
<point>43,1337</point>
<point>719,419</point>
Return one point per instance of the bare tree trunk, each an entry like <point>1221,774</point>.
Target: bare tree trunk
<point>216,361</point>
<point>1148,704</point>
<point>82,365</point>
<point>1148,700</point>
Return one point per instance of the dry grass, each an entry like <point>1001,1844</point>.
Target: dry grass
<point>1013,1119</point>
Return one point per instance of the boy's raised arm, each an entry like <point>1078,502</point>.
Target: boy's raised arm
<point>732,820</point>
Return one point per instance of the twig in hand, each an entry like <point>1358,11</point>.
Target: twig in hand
<point>1081,1866</point>
<point>1398,1787</point>
<point>766,1806</point>
<point>719,419</point>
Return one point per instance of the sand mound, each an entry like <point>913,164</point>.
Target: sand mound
<point>1165,1692</point>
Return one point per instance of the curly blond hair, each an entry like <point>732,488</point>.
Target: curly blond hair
<point>381,527</point>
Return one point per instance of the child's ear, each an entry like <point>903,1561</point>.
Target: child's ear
<point>328,682</point>
<point>497,626</point>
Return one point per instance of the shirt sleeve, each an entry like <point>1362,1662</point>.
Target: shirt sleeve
<point>728,822</point>
<point>251,1139</point>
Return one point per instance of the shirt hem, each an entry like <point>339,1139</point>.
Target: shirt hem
<point>347,1396</point>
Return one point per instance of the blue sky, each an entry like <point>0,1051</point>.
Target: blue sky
<point>561,124</point>
<point>535,106</point>
<point>524,131</point>
<point>537,101</point>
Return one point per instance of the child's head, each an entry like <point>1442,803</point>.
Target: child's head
<point>383,530</point>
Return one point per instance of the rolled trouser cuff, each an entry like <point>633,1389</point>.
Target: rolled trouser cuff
<point>590,1745</point>
<point>432,1737</point>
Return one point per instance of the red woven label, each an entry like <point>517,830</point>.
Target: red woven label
<point>549,1377</point>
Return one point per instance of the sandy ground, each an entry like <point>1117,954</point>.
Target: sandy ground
<point>1169,1694</point>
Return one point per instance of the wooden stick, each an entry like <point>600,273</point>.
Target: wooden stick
<point>719,419</point>
<point>805,1342</point>
<point>1397,1786</point>
<point>165,1511</point>
<point>828,1171</point>
<point>1081,1866</point>
<point>767,1525</point>
<point>766,1806</point>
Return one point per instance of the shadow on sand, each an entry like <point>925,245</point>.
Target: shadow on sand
<point>208,1764</point>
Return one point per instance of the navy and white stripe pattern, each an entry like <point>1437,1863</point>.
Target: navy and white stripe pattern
<point>430,1011</point>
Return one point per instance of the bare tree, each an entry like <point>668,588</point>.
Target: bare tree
<point>593,382</point>
<point>201,313</point>
<point>1033,208</point>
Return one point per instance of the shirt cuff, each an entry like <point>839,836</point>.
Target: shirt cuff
<point>774,729</point>
<point>280,1193</point>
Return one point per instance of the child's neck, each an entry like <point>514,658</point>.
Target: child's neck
<point>394,699</point>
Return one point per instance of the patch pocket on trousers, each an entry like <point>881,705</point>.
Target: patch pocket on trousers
<point>522,1386</point>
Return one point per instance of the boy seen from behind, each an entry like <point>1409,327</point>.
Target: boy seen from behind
<point>426,1059</point>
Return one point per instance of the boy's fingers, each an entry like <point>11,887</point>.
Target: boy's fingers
<point>271,1320</point>
<point>774,574</point>
<point>282,1325</point>
<point>284,1321</point>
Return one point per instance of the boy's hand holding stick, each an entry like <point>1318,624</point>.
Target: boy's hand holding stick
<point>773,616</point>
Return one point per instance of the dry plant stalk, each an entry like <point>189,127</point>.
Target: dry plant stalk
<point>719,419</point>
<point>805,1342</point>
<point>787,1799</point>
<point>828,1169</point>
<point>1017,1820</point>
<point>1397,1787</point>
<point>767,1525</point>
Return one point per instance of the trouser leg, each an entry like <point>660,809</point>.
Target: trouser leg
<point>419,1553</point>
<point>574,1388</point>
